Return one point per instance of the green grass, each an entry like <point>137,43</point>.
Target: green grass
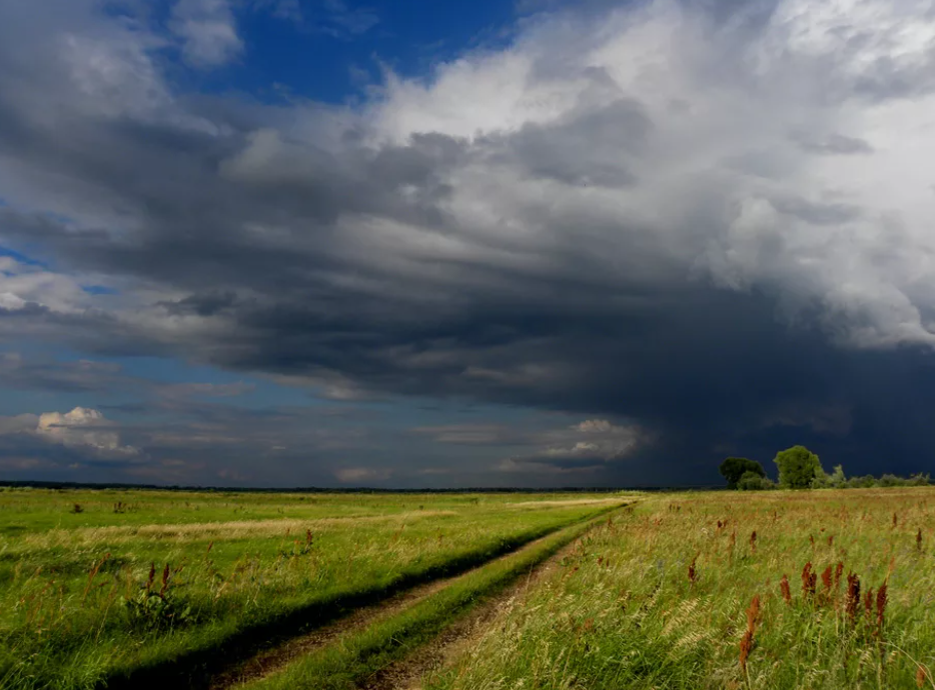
<point>359,654</point>
<point>623,613</point>
<point>73,605</point>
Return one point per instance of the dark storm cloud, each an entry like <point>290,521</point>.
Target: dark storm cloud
<point>640,242</point>
<point>85,376</point>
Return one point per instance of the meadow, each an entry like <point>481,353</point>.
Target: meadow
<point>117,588</point>
<point>779,589</point>
<point>809,589</point>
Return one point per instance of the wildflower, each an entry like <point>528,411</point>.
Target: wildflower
<point>746,644</point>
<point>881,607</point>
<point>808,580</point>
<point>852,602</point>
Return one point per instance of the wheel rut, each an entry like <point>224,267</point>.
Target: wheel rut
<point>267,662</point>
<point>460,636</point>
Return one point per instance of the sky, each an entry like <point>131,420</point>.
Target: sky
<point>285,243</point>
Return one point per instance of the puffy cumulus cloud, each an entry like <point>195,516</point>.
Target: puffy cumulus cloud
<point>686,214</point>
<point>83,428</point>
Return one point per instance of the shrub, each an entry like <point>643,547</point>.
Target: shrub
<point>751,481</point>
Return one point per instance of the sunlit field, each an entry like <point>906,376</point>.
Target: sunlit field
<point>96,586</point>
<point>778,589</point>
<point>811,589</point>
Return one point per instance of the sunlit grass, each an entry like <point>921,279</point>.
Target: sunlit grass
<point>114,588</point>
<point>625,613</point>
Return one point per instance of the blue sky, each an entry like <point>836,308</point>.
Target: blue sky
<point>331,51</point>
<point>280,243</point>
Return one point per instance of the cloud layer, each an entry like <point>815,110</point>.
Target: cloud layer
<point>708,222</point>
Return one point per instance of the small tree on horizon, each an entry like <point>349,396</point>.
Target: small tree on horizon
<point>732,469</point>
<point>798,467</point>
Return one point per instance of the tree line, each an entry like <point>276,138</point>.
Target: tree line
<point>800,468</point>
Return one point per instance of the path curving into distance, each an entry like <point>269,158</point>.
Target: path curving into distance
<point>389,646</point>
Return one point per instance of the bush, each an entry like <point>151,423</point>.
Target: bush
<point>865,482</point>
<point>751,481</point>
<point>835,480</point>
<point>798,467</point>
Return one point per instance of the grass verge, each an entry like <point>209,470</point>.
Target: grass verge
<point>360,654</point>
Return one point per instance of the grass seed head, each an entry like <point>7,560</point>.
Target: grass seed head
<point>152,576</point>
<point>165,581</point>
<point>784,589</point>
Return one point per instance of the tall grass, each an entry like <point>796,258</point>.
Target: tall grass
<point>623,614</point>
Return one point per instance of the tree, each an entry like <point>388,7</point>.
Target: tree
<point>798,467</point>
<point>751,481</point>
<point>835,480</point>
<point>732,469</point>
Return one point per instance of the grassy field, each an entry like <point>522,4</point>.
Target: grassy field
<point>690,591</point>
<point>107,586</point>
<point>811,589</point>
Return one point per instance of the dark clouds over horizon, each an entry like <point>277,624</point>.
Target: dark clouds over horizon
<point>634,239</point>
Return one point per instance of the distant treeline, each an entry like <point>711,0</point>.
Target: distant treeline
<point>800,468</point>
<point>66,486</point>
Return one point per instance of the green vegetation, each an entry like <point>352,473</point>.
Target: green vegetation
<point>799,468</point>
<point>97,586</point>
<point>735,469</point>
<point>751,481</point>
<point>777,590</point>
<point>826,589</point>
<point>360,654</point>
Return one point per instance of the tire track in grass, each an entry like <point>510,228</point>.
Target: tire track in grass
<point>390,649</point>
<point>199,668</point>
<point>407,674</point>
<point>271,660</point>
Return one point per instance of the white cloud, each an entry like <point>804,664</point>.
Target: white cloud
<point>597,426</point>
<point>83,427</point>
<point>744,171</point>
<point>584,447</point>
<point>208,31</point>
<point>22,284</point>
